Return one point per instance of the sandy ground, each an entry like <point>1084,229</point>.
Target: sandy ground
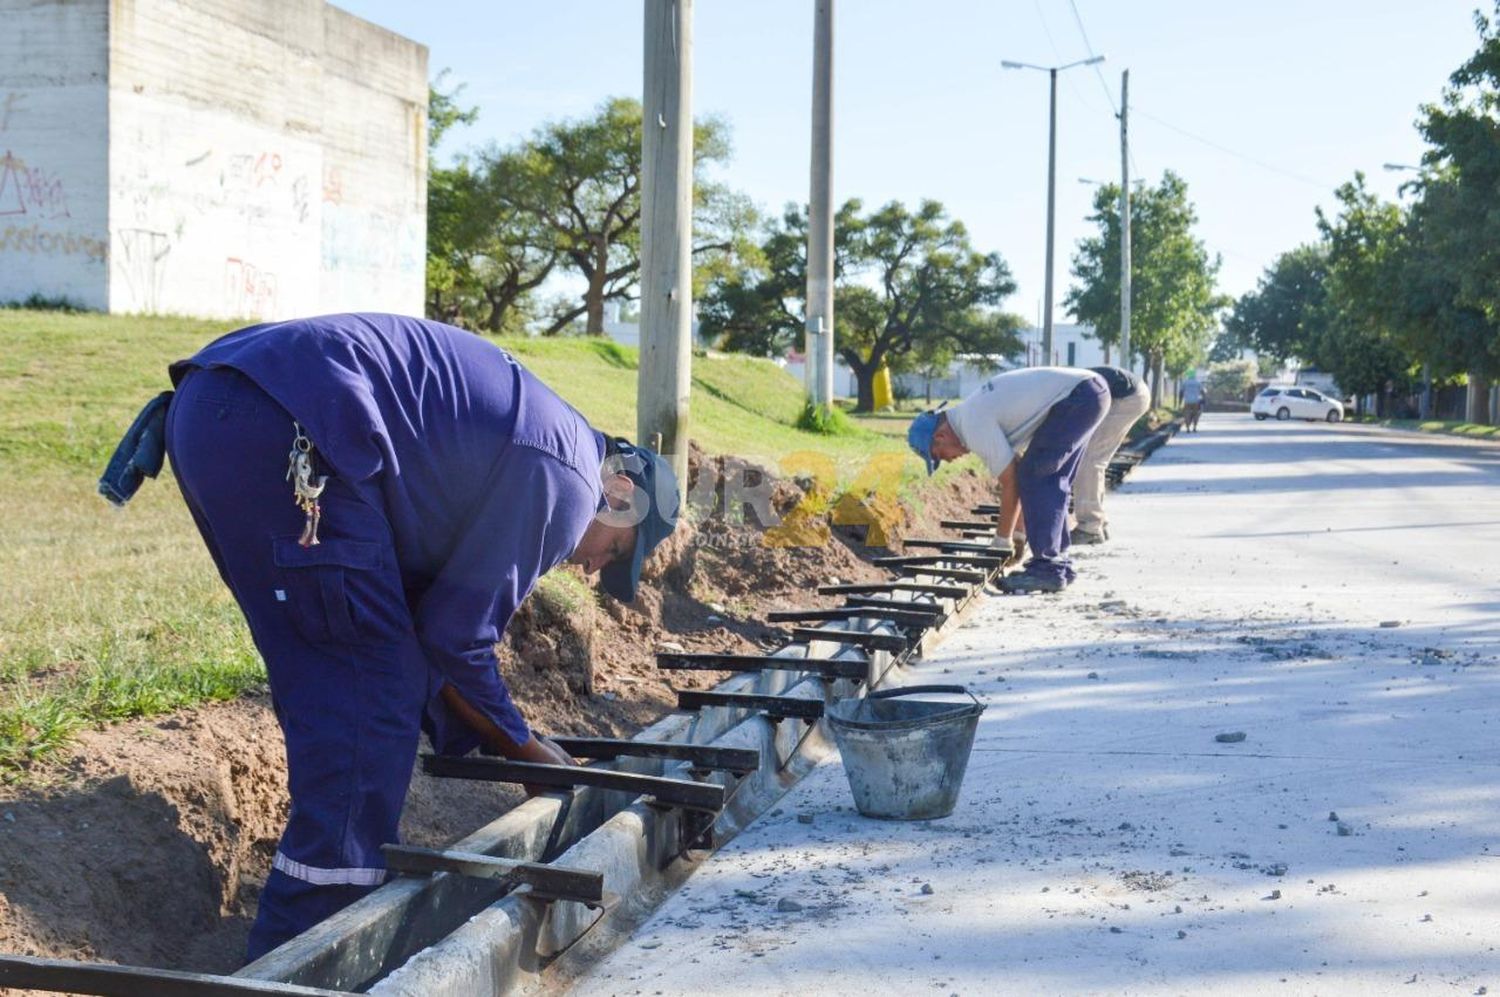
<point>1333,595</point>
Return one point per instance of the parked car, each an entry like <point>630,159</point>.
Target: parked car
<point>1289,402</point>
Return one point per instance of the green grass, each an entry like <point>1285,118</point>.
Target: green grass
<point>1449,427</point>
<point>108,614</point>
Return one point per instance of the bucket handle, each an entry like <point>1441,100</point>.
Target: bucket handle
<point>907,690</point>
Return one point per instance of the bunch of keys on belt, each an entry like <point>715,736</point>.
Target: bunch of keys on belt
<point>307,488</point>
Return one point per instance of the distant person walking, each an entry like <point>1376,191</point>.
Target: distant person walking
<point>1129,400</point>
<point>1192,403</point>
<point>1030,426</point>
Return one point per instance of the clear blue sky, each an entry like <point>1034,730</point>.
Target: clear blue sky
<point>1311,89</point>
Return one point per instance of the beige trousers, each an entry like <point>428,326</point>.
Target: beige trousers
<point>1088,487</point>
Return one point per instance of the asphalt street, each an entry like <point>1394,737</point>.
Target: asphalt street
<point>1330,592</point>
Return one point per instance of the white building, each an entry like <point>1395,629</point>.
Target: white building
<point>219,158</point>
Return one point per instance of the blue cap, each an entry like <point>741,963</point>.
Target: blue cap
<point>655,507</point>
<point>919,437</point>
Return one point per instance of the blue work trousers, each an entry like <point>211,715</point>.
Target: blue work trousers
<point>348,679</point>
<point>1045,473</point>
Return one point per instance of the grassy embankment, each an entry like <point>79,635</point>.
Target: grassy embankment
<point>106,615</point>
<point>1444,427</point>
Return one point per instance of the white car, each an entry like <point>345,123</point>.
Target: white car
<point>1291,402</point>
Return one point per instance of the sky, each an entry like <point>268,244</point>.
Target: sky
<point>1263,108</point>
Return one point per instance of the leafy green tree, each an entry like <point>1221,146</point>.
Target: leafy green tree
<point>1174,305</point>
<point>909,289</point>
<point>1230,380</point>
<point>756,306</point>
<point>1464,133</point>
<point>915,278</point>
<point>1364,253</point>
<point>448,206</point>
<point>580,182</point>
<point>1288,310</point>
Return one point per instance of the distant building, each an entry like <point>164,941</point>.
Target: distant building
<point>219,158</point>
<point>1072,346</point>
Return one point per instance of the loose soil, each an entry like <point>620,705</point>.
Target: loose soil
<point>148,841</point>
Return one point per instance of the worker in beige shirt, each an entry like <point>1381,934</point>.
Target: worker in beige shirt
<point>1030,427</point>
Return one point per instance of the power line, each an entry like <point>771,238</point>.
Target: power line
<point>1057,54</point>
<point>1271,167</point>
<point>1089,48</point>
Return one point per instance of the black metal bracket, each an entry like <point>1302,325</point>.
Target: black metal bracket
<point>867,610</point>
<point>966,524</point>
<point>931,612</point>
<point>922,588</point>
<point>949,546</point>
<point>72,977</point>
<point>954,574</point>
<point>673,792</point>
<point>582,886</point>
<point>859,638</point>
<point>701,757</point>
<point>841,668</point>
<point>986,560</point>
<point>776,708</point>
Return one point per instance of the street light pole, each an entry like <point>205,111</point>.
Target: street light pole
<point>1051,220</point>
<point>1052,72</point>
<point>1425,405</point>
<point>1124,220</point>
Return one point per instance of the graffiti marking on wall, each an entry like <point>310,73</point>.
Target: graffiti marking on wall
<point>26,190</point>
<point>30,239</point>
<point>141,255</point>
<point>248,290</point>
<point>300,199</point>
<point>12,101</point>
<point>333,185</point>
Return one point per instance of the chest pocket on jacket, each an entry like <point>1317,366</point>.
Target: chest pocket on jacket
<point>341,592</point>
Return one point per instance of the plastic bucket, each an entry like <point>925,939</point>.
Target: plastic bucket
<point>905,759</point>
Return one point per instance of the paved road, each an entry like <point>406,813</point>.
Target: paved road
<point>1333,593</point>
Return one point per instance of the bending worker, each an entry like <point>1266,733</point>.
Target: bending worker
<point>1030,426</point>
<point>1129,400</point>
<point>380,493</point>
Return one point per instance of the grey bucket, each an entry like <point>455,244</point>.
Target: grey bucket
<point>905,760</point>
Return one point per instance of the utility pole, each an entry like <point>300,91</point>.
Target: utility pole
<point>1125,219</point>
<point>664,378</point>
<point>819,312</point>
<point>1052,72</point>
<point>1051,211</point>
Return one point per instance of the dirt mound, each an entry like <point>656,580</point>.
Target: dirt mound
<point>148,842</point>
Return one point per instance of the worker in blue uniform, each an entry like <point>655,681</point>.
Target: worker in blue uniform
<point>380,493</point>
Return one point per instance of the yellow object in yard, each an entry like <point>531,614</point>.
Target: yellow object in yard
<point>884,396</point>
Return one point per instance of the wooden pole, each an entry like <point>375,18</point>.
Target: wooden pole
<point>664,378</point>
<point>819,370</point>
<point>1125,219</point>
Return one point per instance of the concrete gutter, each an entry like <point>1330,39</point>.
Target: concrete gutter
<point>451,935</point>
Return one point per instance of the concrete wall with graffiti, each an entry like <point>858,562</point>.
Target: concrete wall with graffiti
<point>54,134</point>
<point>265,159</point>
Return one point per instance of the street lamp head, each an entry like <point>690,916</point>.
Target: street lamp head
<point>1396,167</point>
<point>1007,64</point>
<point>1094,61</point>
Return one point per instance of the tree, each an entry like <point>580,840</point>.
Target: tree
<point>1173,305</point>
<point>756,306</point>
<point>1364,254</point>
<point>1464,132</point>
<point>1230,380</point>
<point>915,279</point>
<point>580,181</point>
<point>909,290</point>
<point>1287,312</point>
<point>448,206</point>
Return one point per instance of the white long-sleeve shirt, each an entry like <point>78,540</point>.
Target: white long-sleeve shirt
<point>998,420</point>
